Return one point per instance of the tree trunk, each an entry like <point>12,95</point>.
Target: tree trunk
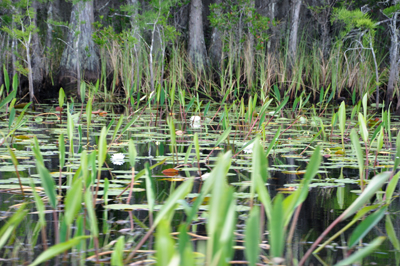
<point>294,28</point>
<point>249,50</point>
<point>215,50</point>
<point>271,13</point>
<point>37,58</point>
<point>30,72</point>
<point>81,51</point>
<point>49,37</point>
<point>394,58</point>
<point>196,46</point>
<point>136,47</point>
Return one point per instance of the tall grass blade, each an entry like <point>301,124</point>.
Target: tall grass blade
<point>73,202</point>
<point>342,121</point>
<point>61,97</point>
<point>374,185</point>
<point>391,187</point>
<point>363,128</point>
<point>397,159</point>
<point>172,200</point>
<point>121,119</point>
<point>223,136</point>
<point>6,79</point>
<point>360,254</point>
<point>57,250</point>
<point>118,252</point>
<point>196,145</point>
<point>359,153</point>
<point>61,150</point>
<point>151,199</point>
<point>47,183</point>
<point>276,228</point>
<point>132,153</point>
<point>252,237</point>
<point>391,233</point>
<point>220,170</point>
<point>273,141</point>
<point>102,148</point>
<point>165,245</point>
<point>7,229</point>
<point>92,219</point>
<point>365,226</point>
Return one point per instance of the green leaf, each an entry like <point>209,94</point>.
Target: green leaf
<point>13,157</point>
<point>379,141</point>
<point>359,152</point>
<point>252,236</point>
<point>281,105</point>
<point>259,167</point>
<point>311,171</point>
<point>342,118</point>
<point>7,229</point>
<point>172,200</point>
<point>223,136</point>
<point>185,247</point>
<point>89,113</point>
<point>365,226</point>
<point>220,170</point>
<point>276,228</point>
<point>102,148</point>
<point>128,125</point>
<point>47,183</point>
<point>39,205</point>
<point>364,103</point>
<point>206,109</point>
<point>151,198</point>
<point>397,159</point>
<point>11,117</point>
<point>391,187</point>
<point>61,97</point>
<point>6,79</point>
<point>15,84</point>
<point>273,141</point>
<point>7,99</point>
<point>118,252</point>
<point>165,245</point>
<point>73,202</point>
<point>357,256</point>
<point>93,225</point>
<point>132,153</point>
<point>61,150</point>
<point>70,131</point>
<point>196,145</point>
<point>363,128</point>
<point>391,233</point>
<point>57,250</point>
<point>121,119</point>
<point>374,185</point>
<point>83,90</point>
<point>190,104</point>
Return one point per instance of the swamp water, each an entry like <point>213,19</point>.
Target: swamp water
<point>333,189</point>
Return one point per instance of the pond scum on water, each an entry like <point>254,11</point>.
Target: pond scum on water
<point>202,186</point>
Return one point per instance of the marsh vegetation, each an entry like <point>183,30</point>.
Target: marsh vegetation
<point>199,133</point>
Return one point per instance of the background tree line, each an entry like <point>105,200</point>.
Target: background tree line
<point>217,49</point>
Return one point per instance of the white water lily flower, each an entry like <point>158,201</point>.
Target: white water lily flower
<point>195,121</point>
<point>249,149</point>
<point>118,159</point>
<point>195,118</point>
